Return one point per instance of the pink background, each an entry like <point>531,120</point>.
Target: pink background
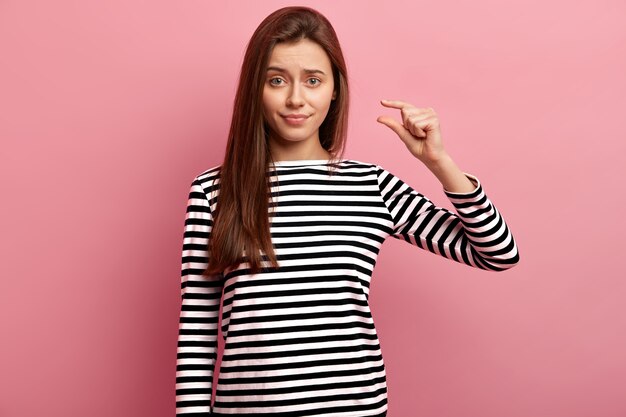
<point>109,109</point>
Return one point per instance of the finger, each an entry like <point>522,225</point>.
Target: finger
<point>396,104</point>
<point>407,124</point>
<point>430,123</point>
<point>407,111</point>
<point>400,130</point>
<point>416,122</point>
<point>416,131</point>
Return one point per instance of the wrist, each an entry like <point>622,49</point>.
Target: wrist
<point>439,163</point>
<point>450,175</point>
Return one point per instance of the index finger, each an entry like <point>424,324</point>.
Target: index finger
<point>396,104</point>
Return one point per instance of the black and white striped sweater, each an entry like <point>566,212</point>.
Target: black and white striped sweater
<point>300,340</point>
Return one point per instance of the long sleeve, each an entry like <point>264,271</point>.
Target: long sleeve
<point>476,235</point>
<point>199,313</point>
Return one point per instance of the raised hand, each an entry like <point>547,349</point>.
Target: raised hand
<point>419,130</point>
<point>421,134</point>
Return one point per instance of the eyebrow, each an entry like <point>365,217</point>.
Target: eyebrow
<point>308,71</point>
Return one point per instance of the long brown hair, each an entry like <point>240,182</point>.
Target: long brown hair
<point>241,220</point>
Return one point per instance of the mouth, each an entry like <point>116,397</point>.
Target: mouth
<point>294,116</point>
<point>295,119</point>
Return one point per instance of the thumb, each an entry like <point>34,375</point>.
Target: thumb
<point>400,130</point>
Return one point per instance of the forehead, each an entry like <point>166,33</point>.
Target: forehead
<point>302,54</point>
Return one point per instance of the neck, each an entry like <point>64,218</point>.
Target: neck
<point>293,151</point>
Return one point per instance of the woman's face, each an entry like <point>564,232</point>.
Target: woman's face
<point>299,81</point>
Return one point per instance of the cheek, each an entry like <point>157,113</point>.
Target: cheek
<point>324,100</point>
<point>270,103</point>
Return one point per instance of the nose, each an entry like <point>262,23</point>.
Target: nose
<point>295,98</point>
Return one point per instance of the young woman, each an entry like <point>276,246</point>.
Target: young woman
<point>285,233</point>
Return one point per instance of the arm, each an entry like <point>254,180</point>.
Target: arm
<point>450,176</point>
<point>476,235</point>
<point>199,313</point>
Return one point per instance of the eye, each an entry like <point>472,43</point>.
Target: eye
<point>315,79</point>
<point>274,79</point>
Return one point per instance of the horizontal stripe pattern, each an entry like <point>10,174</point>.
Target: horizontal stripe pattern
<point>300,340</point>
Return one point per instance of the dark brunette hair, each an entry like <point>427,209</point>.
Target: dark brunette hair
<point>240,220</point>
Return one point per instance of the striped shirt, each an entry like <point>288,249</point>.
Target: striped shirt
<point>300,340</point>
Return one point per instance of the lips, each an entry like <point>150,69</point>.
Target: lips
<point>294,116</point>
